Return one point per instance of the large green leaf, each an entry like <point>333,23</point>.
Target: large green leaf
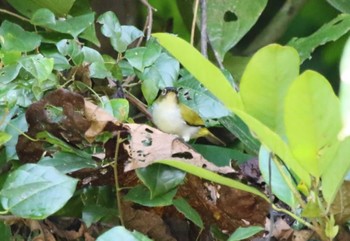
<point>38,66</point>
<point>341,5</point>
<point>28,7</point>
<point>334,175</point>
<point>244,233</point>
<point>35,191</point>
<point>279,185</point>
<point>229,20</point>
<point>160,179</point>
<point>201,68</point>
<point>312,121</point>
<point>13,37</point>
<point>331,31</point>
<point>265,82</point>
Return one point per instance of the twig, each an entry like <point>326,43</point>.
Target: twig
<point>139,105</point>
<point>14,15</point>
<point>193,28</point>
<point>149,19</point>
<point>277,26</point>
<point>116,180</point>
<point>204,38</point>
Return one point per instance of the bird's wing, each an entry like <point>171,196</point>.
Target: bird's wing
<point>190,116</point>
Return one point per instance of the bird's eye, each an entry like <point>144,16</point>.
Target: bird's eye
<point>164,91</point>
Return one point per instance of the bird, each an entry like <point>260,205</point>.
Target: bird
<point>173,117</point>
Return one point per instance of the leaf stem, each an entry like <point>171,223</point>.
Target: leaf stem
<point>193,28</point>
<point>14,15</point>
<point>116,180</point>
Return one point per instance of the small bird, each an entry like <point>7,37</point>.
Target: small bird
<point>173,117</point>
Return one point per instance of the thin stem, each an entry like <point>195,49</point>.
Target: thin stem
<point>139,105</point>
<point>14,15</point>
<point>22,133</point>
<point>116,180</point>
<point>149,19</point>
<point>277,26</point>
<point>193,28</point>
<point>204,38</point>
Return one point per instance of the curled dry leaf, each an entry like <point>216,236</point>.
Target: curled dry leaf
<point>148,145</point>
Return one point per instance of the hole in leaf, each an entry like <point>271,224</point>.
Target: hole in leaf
<point>230,16</point>
<point>148,130</point>
<point>185,155</point>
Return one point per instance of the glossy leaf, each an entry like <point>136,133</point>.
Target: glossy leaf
<point>94,213</point>
<point>142,195</point>
<point>331,31</point>
<point>142,57</point>
<point>66,162</point>
<point>119,108</point>
<point>160,179</point>
<point>229,20</point>
<point>279,186</point>
<point>334,175</point>
<point>191,214</point>
<point>9,73</point>
<point>201,68</point>
<point>121,233</point>
<point>4,137</point>
<point>244,233</point>
<point>72,25</point>
<point>312,121</point>
<point>35,191</point>
<point>264,86</point>
<point>212,176</point>
<point>72,49</point>
<point>341,5</point>
<point>38,66</point>
<point>14,37</point>
<point>28,7</point>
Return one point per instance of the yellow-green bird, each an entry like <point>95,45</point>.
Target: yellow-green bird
<point>173,117</point>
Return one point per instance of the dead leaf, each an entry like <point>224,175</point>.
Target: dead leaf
<point>302,235</point>
<point>148,145</point>
<point>281,230</point>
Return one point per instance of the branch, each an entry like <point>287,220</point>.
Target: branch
<point>204,38</point>
<point>193,28</point>
<point>14,15</point>
<point>277,26</point>
<point>149,19</point>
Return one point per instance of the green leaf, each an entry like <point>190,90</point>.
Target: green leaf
<point>121,233</point>
<point>142,195</point>
<point>94,213</point>
<point>34,191</point>
<point>278,184</point>
<point>237,127</point>
<point>72,49</point>
<point>244,233</point>
<point>312,121</point>
<point>120,36</point>
<point>162,73</point>
<point>37,65</point>
<point>5,232</point>
<point>28,7</point>
<point>4,137</point>
<point>221,156</point>
<point>18,123</point>
<point>60,62</point>
<point>66,162</point>
<point>212,176</point>
<point>70,25</point>
<point>15,38</point>
<point>341,5</point>
<point>334,175</point>
<point>191,214</point>
<point>198,98</point>
<point>142,57</point>
<point>119,108</point>
<point>160,179</point>
<point>95,61</point>
<point>344,94</point>
<point>264,86</point>
<point>331,31</point>
<point>201,68</point>
<point>229,20</point>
